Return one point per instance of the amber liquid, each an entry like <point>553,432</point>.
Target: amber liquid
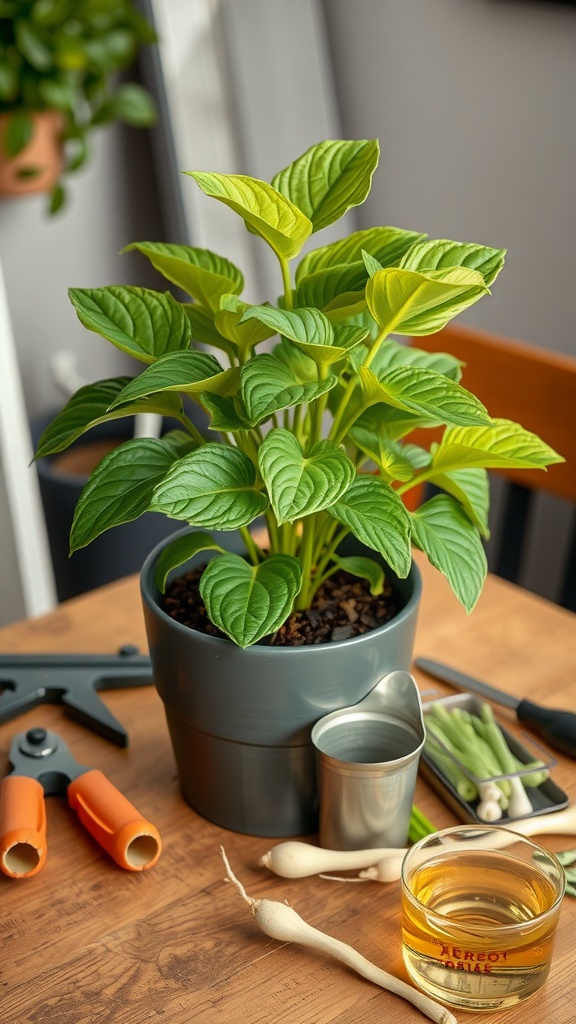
<point>490,947</point>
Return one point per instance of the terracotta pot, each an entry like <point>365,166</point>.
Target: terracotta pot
<point>240,720</point>
<point>43,155</point>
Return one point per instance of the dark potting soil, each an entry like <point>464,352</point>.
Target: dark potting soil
<point>343,607</point>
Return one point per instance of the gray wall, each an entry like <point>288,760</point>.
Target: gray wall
<point>473,102</point>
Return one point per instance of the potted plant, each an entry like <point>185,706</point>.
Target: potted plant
<point>311,401</point>
<point>59,67</point>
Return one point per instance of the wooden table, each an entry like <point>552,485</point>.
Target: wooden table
<point>84,942</point>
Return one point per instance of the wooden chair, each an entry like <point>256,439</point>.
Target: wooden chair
<point>537,388</point>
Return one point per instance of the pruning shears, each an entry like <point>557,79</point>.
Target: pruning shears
<point>42,765</point>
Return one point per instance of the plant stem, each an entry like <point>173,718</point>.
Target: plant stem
<point>254,551</point>
<point>285,268</point>
<point>336,433</point>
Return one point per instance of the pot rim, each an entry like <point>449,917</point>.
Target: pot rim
<point>150,595</point>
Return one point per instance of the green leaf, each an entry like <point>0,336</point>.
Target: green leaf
<point>204,329</point>
<point>392,354</point>
<point>385,452</point>
<point>300,485</point>
<point>406,302</point>
<point>250,602</point>
<point>268,385</point>
<point>9,83</point>
<point>269,213</point>
<point>424,392</point>
<point>32,46</point>
<point>378,518</point>
<point>371,263</point>
<point>244,335</point>
<point>19,132</point>
<point>452,543</point>
<point>391,422</point>
<point>199,272</point>
<point>366,569</point>
<point>299,325</point>
<point>133,104</point>
<point>120,488</point>
<point>213,487</point>
<point>311,331</point>
<point>226,413</point>
<point>190,372</point>
<point>333,287</point>
<point>329,178</point>
<point>90,406</point>
<point>439,254</point>
<point>504,445</point>
<point>146,324</point>
<point>387,245</point>
<point>471,488</point>
<point>179,551</point>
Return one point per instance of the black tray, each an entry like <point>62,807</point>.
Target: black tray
<point>544,799</point>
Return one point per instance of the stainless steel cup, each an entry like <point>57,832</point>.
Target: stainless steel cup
<point>367,761</point>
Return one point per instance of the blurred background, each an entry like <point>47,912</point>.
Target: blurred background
<point>472,101</point>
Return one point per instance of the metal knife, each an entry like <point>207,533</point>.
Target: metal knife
<point>555,726</point>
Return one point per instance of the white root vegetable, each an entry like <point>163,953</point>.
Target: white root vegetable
<point>557,823</point>
<point>299,860</point>
<point>489,809</point>
<point>281,922</point>
<point>519,804</point>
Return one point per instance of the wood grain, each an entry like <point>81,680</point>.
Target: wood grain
<point>84,942</point>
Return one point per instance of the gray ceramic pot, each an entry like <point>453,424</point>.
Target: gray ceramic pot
<point>240,720</point>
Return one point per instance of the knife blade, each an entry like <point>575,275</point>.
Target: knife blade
<point>557,727</point>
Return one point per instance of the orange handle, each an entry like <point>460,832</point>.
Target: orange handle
<point>22,826</point>
<point>108,816</point>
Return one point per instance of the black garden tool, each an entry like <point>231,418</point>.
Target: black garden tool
<point>72,680</point>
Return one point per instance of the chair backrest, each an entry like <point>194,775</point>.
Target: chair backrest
<point>537,388</point>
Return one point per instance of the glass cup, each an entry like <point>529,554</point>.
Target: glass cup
<point>480,905</point>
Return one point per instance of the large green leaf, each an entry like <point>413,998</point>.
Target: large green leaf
<point>120,488</point>
<point>392,354</point>
<point>388,245</point>
<point>144,323</point>
<point>504,445</point>
<point>179,551</point>
<point>188,372</point>
<point>329,178</point>
<point>378,518</point>
<point>413,303</point>
<point>199,272</point>
<point>452,543</point>
<point>268,385</point>
<point>310,331</point>
<point>438,254</point>
<point>471,488</point>
<point>249,602</point>
<point>213,487</point>
<point>333,287</point>
<point>299,485</point>
<point>424,392</point>
<point>307,325</point>
<point>269,213</point>
<point>90,406</point>
<point>391,422</point>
